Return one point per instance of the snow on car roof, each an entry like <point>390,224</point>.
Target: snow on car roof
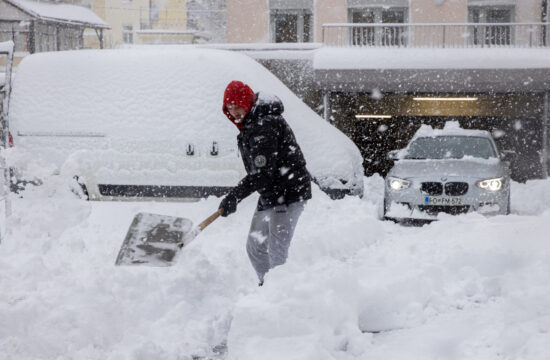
<point>451,128</point>
<point>150,94</point>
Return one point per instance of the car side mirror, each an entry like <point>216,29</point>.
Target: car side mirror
<point>393,155</point>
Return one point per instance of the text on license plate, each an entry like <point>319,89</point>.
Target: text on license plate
<point>442,200</point>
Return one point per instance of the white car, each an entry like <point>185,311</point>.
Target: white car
<point>450,171</point>
<point>147,122</point>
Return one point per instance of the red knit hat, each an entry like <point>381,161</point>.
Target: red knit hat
<point>240,94</point>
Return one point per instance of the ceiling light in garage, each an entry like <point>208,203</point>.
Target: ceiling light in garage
<point>373,116</point>
<point>445,98</point>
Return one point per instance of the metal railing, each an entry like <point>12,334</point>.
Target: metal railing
<point>463,35</point>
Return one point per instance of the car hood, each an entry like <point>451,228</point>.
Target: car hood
<point>465,168</point>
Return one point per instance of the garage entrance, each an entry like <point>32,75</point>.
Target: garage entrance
<point>383,122</point>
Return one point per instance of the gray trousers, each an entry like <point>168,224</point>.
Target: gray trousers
<point>270,234</point>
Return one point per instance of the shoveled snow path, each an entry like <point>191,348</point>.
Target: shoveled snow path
<point>353,288</point>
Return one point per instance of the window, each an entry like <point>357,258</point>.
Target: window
<point>498,34</point>
<point>291,25</point>
<point>127,34</point>
<point>383,35</point>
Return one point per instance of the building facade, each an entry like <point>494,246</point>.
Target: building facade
<point>381,68</point>
<point>260,21</point>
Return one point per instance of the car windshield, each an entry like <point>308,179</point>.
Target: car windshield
<point>450,147</point>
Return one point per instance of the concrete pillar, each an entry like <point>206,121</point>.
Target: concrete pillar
<point>326,105</point>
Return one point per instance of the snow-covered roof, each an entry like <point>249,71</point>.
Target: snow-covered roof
<point>430,58</point>
<point>60,13</point>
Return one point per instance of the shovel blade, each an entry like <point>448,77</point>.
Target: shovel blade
<point>154,240</point>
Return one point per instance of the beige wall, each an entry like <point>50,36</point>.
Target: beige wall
<point>247,21</point>
<point>328,11</point>
<point>528,11</point>
<point>172,15</point>
<point>427,11</point>
<point>118,13</point>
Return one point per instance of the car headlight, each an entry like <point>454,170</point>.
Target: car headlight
<point>491,184</point>
<point>398,184</point>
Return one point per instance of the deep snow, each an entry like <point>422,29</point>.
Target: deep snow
<point>354,287</point>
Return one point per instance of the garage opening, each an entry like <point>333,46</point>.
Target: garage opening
<point>379,123</point>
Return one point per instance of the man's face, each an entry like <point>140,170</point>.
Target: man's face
<point>237,112</point>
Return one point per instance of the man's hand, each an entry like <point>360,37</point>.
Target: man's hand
<point>228,204</point>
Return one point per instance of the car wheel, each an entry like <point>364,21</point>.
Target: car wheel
<point>384,209</point>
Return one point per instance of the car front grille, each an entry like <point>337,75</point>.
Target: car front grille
<point>456,188</point>
<point>451,188</point>
<point>452,210</point>
<point>431,188</point>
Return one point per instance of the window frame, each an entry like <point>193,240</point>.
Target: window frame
<point>127,34</point>
<point>379,36</point>
<point>489,35</point>
<point>301,25</point>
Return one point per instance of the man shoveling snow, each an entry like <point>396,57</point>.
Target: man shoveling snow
<point>275,168</point>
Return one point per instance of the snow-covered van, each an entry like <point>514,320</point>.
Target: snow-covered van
<point>147,122</point>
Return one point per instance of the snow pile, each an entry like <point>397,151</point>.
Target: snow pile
<point>465,287</point>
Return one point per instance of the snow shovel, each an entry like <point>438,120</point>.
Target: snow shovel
<point>154,240</point>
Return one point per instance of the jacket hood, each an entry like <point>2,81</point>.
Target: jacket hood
<point>266,104</point>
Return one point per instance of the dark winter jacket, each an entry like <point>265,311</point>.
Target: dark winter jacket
<point>273,160</point>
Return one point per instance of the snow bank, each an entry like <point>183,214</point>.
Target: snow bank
<point>465,287</point>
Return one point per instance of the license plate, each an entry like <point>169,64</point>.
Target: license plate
<point>442,200</point>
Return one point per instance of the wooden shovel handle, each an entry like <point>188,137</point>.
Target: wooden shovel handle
<point>209,220</point>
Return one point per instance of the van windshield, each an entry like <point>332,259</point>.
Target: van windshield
<point>450,147</point>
